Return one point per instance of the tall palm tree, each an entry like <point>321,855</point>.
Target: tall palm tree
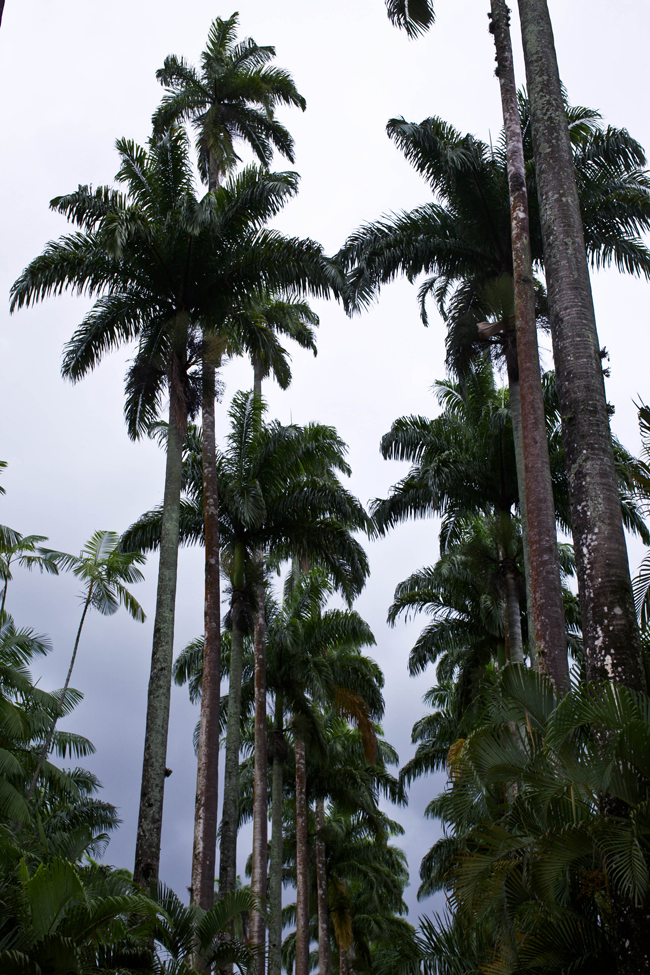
<point>609,621</point>
<point>165,265</point>
<point>103,570</point>
<point>603,570</point>
<point>232,98</point>
<point>278,493</point>
<point>466,238</point>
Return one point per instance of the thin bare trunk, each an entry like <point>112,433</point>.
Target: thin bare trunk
<point>48,741</point>
<point>343,961</point>
<point>511,609</point>
<point>147,851</point>
<point>324,960</point>
<point>515,414</point>
<point>513,618</point>
<point>260,784</point>
<point>609,625</point>
<point>279,749</point>
<point>302,878</point>
<point>545,580</point>
<point>230,811</point>
<point>206,810</point>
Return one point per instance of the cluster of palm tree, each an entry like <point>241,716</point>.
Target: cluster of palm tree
<point>540,712</point>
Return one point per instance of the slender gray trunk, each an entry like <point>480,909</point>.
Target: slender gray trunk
<point>344,968</point>
<point>512,608</point>
<point>302,876</point>
<point>515,414</point>
<point>275,869</point>
<point>48,741</point>
<point>609,625</point>
<point>147,850</point>
<point>543,563</point>
<point>513,616</point>
<point>230,811</point>
<point>324,959</point>
<point>260,784</point>
<point>206,810</point>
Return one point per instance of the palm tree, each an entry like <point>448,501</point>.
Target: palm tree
<point>27,552</point>
<point>278,493</point>
<point>603,572</point>
<point>467,242</point>
<point>166,266</point>
<point>103,569</point>
<point>232,98</point>
<point>317,662</point>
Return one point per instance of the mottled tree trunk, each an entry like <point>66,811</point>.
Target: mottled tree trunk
<point>607,607</point>
<point>260,784</point>
<point>230,811</point>
<point>344,968</point>
<point>275,870</point>
<point>302,875</point>
<point>147,850</point>
<point>206,810</point>
<point>324,961</point>
<point>544,567</point>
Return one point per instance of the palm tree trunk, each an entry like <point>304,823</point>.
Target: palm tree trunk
<point>512,608</point>
<point>513,618</point>
<point>544,567</point>
<point>609,625</point>
<point>260,784</point>
<point>230,812</point>
<point>206,809</point>
<point>324,961</point>
<point>302,879</point>
<point>275,869</point>
<point>48,741</point>
<point>344,968</point>
<point>515,414</point>
<point>147,850</point>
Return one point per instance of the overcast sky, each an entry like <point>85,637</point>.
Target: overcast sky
<point>77,74</point>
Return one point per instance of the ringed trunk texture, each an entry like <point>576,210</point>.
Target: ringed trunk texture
<point>147,850</point>
<point>260,784</point>
<point>544,566</point>
<point>230,811</point>
<point>206,809</point>
<point>609,625</point>
<point>324,960</point>
<point>302,878</point>
<point>279,748</point>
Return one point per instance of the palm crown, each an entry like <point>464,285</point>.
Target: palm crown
<point>232,96</point>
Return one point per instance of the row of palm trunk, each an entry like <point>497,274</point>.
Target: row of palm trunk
<point>603,573</point>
